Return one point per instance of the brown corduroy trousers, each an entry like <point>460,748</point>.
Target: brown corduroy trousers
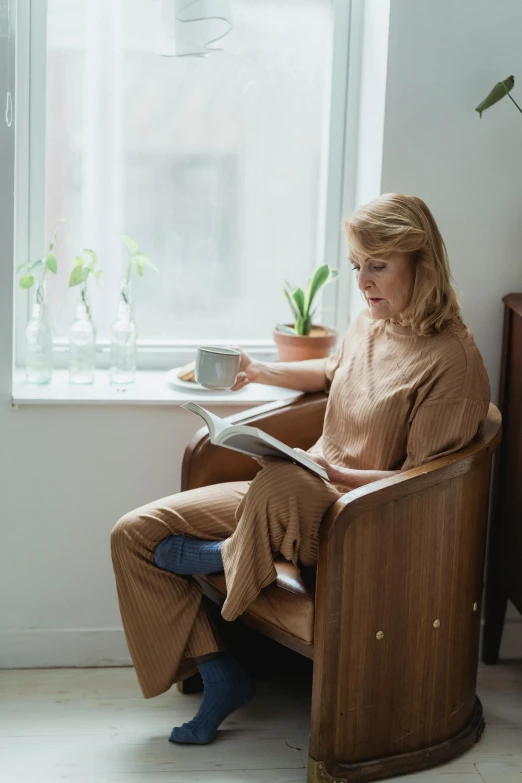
<point>166,623</point>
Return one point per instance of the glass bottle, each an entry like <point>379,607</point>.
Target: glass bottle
<point>82,344</point>
<point>123,340</point>
<point>39,340</point>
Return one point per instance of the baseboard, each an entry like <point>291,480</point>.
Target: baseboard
<point>107,646</point>
<point>63,647</point>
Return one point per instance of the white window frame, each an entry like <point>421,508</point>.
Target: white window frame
<point>338,183</point>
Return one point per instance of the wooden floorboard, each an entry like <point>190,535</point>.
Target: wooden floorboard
<point>93,726</point>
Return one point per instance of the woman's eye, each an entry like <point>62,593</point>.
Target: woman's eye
<point>379,268</point>
<point>355,268</point>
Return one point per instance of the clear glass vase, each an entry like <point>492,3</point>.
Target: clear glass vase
<point>82,344</point>
<point>39,340</point>
<point>123,340</point>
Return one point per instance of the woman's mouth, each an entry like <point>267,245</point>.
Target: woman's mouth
<point>373,300</point>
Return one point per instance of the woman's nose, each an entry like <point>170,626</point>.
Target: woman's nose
<point>363,280</point>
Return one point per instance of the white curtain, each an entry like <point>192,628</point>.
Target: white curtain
<point>192,28</point>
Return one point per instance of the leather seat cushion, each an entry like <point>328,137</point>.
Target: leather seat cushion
<point>287,604</point>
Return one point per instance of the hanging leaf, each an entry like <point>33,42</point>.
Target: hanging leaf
<point>37,264</point>
<point>76,276</point>
<point>79,261</point>
<point>98,273</point>
<point>21,266</point>
<point>499,91</point>
<point>27,281</point>
<point>131,244</point>
<point>51,263</point>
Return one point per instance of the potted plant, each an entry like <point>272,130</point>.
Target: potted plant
<point>82,334</point>
<point>301,339</point>
<point>39,335</point>
<point>122,367</point>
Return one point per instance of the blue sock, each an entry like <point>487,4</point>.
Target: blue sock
<point>188,556</point>
<point>227,687</point>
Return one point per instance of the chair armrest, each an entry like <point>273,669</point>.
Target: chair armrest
<point>298,424</point>
<point>409,482</point>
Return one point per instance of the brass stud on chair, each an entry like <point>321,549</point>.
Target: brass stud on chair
<point>436,624</point>
<point>475,606</point>
<point>379,635</point>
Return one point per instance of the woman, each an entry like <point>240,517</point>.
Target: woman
<point>406,385</point>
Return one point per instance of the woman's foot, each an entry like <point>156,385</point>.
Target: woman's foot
<point>227,687</point>
<point>189,556</point>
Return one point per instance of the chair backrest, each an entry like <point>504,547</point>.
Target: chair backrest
<point>401,566</point>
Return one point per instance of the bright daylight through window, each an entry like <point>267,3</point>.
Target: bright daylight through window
<point>215,166</point>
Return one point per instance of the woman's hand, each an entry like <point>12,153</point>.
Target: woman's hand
<point>248,371</point>
<point>335,474</point>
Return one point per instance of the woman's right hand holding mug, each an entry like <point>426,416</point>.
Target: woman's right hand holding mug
<point>248,371</point>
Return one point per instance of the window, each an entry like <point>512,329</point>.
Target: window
<point>217,167</point>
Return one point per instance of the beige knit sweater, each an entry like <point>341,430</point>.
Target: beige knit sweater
<point>398,400</point>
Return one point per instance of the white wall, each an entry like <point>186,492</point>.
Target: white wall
<point>66,474</point>
<point>443,58</point>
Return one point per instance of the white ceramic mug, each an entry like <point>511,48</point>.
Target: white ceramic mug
<point>217,368</point>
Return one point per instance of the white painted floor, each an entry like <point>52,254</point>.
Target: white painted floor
<point>92,726</point>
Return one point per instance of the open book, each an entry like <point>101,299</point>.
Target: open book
<point>250,440</point>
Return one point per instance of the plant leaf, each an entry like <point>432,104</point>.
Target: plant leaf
<point>21,266</point>
<point>284,329</point>
<point>79,261</point>
<point>307,325</point>
<point>291,302</point>
<point>98,273</point>
<point>51,263</point>
<point>76,276</point>
<point>299,299</point>
<point>37,264</point>
<point>140,266</point>
<point>131,244</point>
<point>303,325</point>
<point>321,276</point>
<point>497,93</point>
<point>92,254</point>
<point>146,260</point>
<point>26,281</point>
<point>53,238</point>
<point>86,271</point>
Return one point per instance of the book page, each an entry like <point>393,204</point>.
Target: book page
<point>215,424</point>
<point>257,443</point>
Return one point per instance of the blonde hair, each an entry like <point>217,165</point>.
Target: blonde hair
<point>398,223</point>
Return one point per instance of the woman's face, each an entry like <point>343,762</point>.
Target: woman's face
<point>386,284</point>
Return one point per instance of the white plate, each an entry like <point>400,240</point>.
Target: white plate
<point>179,383</point>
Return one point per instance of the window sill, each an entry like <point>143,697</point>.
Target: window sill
<point>149,388</point>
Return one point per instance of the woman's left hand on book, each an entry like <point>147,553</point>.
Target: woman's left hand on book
<point>335,476</point>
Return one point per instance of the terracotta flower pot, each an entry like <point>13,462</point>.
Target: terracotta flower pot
<point>295,348</point>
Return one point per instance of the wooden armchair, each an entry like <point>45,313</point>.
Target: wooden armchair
<point>393,622</point>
